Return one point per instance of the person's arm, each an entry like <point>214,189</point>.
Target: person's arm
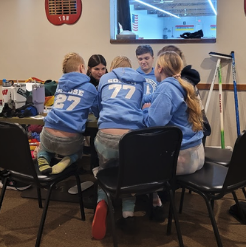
<point>147,98</point>
<point>95,107</point>
<point>160,111</point>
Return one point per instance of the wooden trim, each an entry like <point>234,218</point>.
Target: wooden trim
<point>200,86</point>
<point>21,81</point>
<point>225,87</point>
<point>161,41</point>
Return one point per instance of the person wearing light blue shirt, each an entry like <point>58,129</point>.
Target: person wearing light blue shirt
<point>64,125</point>
<point>120,95</point>
<point>145,57</point>
<point>174,103</point>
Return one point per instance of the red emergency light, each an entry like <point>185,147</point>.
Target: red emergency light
<point>60,12</point>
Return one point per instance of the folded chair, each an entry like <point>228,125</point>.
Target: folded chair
<point>214,181</point>
<point>147,162</point>
<point>18,165</point>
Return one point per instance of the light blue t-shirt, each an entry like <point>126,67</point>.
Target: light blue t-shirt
<point>150,84</point>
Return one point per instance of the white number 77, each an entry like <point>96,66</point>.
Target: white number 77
<point>117,88</point>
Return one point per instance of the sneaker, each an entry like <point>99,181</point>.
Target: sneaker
<point>158,214</point>
<point>44,166</point>
<point>99,221</point>
<point>127,225</point>
<point>15,185</point>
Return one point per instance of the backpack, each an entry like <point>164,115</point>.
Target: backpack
<point>26,111</point>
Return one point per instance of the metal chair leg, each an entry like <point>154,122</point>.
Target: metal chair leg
<point>213,222</point>
<point>41,225</point>
<point>81,203</point>
<point>240,211</point>
<point>175,215</point>
<point>151,206</point>
<point>5,180</point>
<point>244,192</point>
<point>181,201</point>
<point>39,198</point>
<point>111,214</point>
<point>170,218</point>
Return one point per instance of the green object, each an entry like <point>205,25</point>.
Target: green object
<point>222,135</point>
<point>50,87</point>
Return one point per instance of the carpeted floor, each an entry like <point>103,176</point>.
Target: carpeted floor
<point>19,221</point>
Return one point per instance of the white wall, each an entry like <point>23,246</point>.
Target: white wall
<point>31,46</point>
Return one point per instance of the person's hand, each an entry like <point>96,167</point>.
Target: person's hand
<point>146,105</point>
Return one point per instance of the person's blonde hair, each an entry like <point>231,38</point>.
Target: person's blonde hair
<point>172,48</point>
<point>120,61</point>
<point>71,62</point>
<point>172,65</point>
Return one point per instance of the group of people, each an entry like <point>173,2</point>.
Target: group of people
<point>122,99</point>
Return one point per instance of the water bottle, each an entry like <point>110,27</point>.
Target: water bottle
<point>6,91</point>
<point>4,83</point>
<point>7,83</point>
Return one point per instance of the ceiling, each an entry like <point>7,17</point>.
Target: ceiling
<point>180,8</point>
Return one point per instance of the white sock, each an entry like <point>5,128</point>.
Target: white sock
<point>126,214</point>
<point>156,200</point>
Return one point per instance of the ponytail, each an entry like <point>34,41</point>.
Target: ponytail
<point>193,104</point>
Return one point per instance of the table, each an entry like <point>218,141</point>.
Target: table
<point>38,120</point>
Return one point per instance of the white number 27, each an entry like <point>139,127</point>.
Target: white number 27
<point>117,88</point>
<point>62,98</point>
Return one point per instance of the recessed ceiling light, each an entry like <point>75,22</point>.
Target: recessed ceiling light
<point>212,6</point>
<point>161,10</point>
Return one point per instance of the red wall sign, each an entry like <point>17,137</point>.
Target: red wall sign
<point>60,12</point>
<point>245,7</point>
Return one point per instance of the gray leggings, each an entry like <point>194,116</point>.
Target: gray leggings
<point>64,146</point>
<point>107,147</point>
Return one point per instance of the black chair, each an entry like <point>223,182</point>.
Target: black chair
<point>216,155</point>
<point>147,162</point>
<point>18,165</point>
<point>219,156</point>
<point>214,181</point>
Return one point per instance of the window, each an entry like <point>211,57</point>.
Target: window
<point>162,19</point>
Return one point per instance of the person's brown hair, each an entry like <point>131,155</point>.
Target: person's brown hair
<point>172,64</point>
<point>95,60</point>
<point>71,62</point>
<point>172,48</point>
<point>120,61</point>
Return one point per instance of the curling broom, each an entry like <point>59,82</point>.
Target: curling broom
<point>218,71</point>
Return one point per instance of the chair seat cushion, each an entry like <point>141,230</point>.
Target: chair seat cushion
<point>108,179</point>
<point>218,155</point>
<point>46,179</point>
<point>210,178</point>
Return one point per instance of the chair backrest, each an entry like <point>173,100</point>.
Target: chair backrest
<point>237,166</point>
<point>15,150</point>
<point>148,156</point>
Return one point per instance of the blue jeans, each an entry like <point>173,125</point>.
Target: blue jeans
<point>51,145</point>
